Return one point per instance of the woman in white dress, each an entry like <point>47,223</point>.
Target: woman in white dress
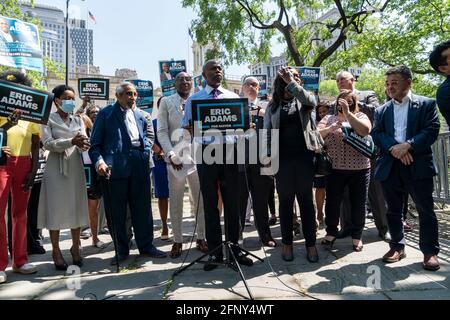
<point>63,199</point>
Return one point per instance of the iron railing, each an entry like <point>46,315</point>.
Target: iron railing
<point>441,153</point>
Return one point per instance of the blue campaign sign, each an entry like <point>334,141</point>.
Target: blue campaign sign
<point>20,45</point>
<point>222,114</point>
<point>199,83</point>
<point>144,89</point>
<point>168,70</point>
<point>310,78</point>
<point>262,79</point>
<point>88,175</point>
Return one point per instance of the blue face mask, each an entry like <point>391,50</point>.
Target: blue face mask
<point>68,106</point>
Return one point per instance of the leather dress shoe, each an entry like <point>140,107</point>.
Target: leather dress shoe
<point>431,262</point>
<point>154,253</point>
<point>177,248</point>
<point>202,246</point>
<point>113,261</point>
<point>213,263</point>
<point>36,249</point>
<point>394,255</point>
<point>312,255</point>
<point>287,253</point>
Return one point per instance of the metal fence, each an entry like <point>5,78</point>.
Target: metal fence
<point>441,152</point>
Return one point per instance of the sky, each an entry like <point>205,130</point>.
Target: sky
<point>136,34</point>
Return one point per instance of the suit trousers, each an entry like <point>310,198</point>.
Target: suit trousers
<point>399,182</point>
<point>259,187</point>
<point>295,180</point>
<point>232,186</point>
<point>357,182</point>
<point>134,192</point>
<point>176,191</point>
<point>376,201</point>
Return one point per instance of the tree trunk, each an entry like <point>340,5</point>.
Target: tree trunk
<point>330,50</point>
<point>288,34</point>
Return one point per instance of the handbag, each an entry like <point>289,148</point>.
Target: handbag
<point>363,145</point>
<point>323,163</point>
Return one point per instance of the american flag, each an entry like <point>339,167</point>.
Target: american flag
<point>92,17</point>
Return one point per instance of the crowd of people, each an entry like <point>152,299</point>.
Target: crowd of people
<point>123,148</point>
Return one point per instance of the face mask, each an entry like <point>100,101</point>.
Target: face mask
<point>68,106</point>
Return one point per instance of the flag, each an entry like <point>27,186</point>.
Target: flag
<point>92,17</point>
<point>191,34</point>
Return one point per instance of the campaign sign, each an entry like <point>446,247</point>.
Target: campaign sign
<point>310,78</point>
<point>222,114</point>
<point>96,89</point>
<point>34,104</point>
<point>20,45</point>
<point>3,157</point>
<point>145,94</point>
<point>88,175</point>
<point>262,79</point>
<point>199,83</point>
<point>168,71</point>
<point>42,162</point>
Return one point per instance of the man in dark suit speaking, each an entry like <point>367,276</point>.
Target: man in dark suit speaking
<point>405,129</point>
<point>120,150</point>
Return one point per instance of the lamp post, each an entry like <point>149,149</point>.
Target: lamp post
<point>67,42</point>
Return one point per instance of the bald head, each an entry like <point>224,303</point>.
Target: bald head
<point>213,73</point>
<point>345,81</point>
<point>251,88</point>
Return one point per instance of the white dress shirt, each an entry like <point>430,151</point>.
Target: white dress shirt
<point>133,132</point>
<point>401,118</point>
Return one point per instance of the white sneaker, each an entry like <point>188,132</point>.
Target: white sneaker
<point>3,277</point>
<point>27,268</point>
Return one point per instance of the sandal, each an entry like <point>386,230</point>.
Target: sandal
<point>99,244</point>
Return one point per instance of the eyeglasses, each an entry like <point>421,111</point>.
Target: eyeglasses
<point>188,79</point>
<point>131,93</point>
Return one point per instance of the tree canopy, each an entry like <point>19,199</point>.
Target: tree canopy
<point>334,34</point>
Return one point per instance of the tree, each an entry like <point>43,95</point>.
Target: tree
<point>404,35</point>
<point>245,28</point>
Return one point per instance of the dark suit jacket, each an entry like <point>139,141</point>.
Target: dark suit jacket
<point>111,142</point>
<point>422,132</point>
<point>443,99</point>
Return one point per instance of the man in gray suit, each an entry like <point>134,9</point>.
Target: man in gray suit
<point>170,114</point>
<point>368,103</point>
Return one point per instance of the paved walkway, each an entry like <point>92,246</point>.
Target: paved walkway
<point>341,274</point>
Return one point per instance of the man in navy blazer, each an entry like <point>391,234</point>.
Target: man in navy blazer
<point>405,129</point>
<point>120,151</point>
